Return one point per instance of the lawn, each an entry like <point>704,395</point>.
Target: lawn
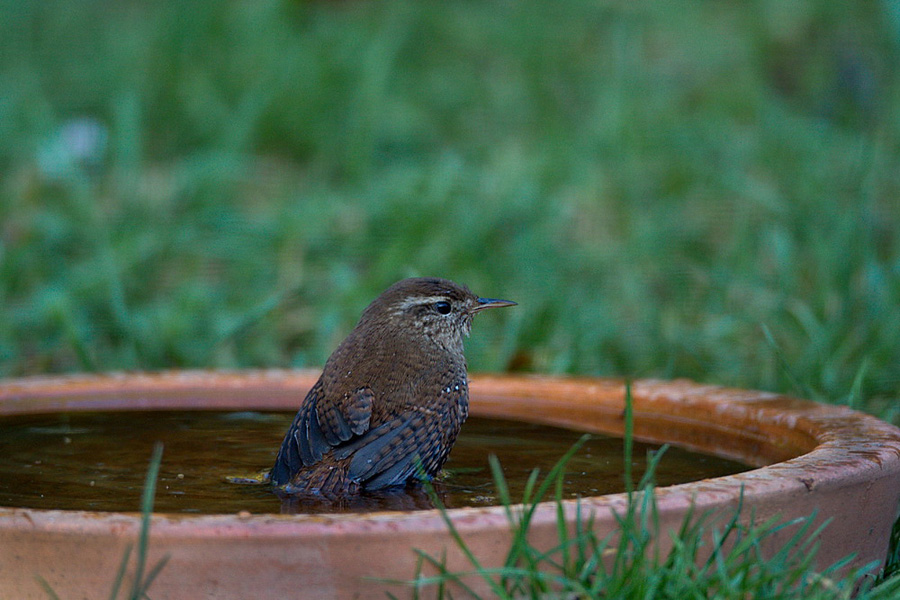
<point>670,189</point>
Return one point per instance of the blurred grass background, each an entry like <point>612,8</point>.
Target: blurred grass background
<point>671,189</point>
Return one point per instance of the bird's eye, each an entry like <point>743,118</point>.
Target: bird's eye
<point>442,307</point>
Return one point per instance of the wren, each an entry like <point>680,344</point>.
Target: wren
<point>391,398</point>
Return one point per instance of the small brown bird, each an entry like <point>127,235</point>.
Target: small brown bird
<point>391,398</point>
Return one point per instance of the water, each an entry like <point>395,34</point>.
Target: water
<point>97,461</point>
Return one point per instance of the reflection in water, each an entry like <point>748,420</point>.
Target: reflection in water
<point>411,497</point>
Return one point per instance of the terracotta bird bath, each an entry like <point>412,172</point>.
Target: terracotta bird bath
<point>838,463</point>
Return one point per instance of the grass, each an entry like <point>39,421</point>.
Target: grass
<point>668,189</point>
<point>707,558</point>
<point>655,200</point>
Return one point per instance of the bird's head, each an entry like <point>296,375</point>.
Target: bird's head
<point>438,309</point>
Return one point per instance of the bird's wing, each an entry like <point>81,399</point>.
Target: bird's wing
<point>318,427</point>
<point>395,451</point>
<point>389,454</point>
<point>350,416</point>
<point>304,443</point>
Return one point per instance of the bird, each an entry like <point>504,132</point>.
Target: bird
<point>391,398</point>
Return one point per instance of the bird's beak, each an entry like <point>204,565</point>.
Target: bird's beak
<point>483,303</point>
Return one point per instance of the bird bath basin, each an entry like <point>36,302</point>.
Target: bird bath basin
<point>838,463</point>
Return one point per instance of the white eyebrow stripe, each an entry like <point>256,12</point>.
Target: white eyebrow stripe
<point>418,300</point>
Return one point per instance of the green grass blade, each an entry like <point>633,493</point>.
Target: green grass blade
<point>628,439</point>
<point>151,575</point>
<point>120,573</point>
<point>854,398</point>
<point>460,543</point>
<point>48,589</point>
<point>500,485</point>
<point>139,586</point>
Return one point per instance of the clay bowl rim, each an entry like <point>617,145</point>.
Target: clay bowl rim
<point>838,446</point>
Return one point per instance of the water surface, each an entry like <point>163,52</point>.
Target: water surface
<point>97,461</point>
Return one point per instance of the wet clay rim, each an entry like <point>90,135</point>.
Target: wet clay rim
<point>842,464</point>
